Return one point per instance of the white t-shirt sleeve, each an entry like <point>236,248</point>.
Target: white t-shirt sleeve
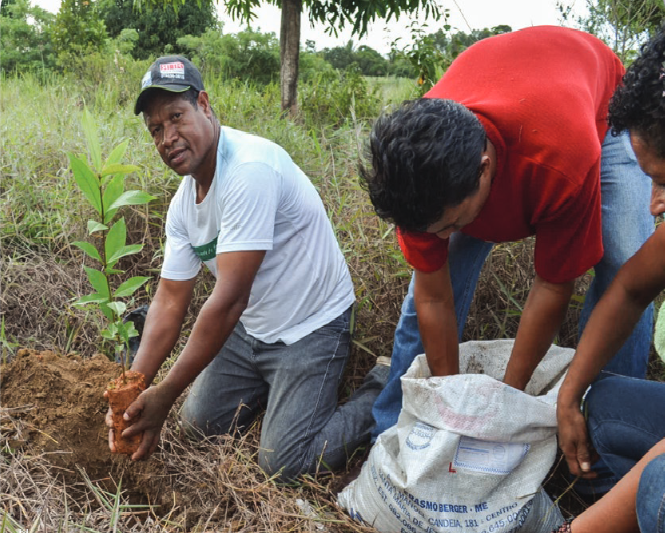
<point>180,261</point>
<point>250,199</point>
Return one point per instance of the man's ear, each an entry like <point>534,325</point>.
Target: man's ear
<point>203,102</point>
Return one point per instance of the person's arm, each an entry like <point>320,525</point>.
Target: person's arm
<point>163,323</point>
<point>541,319</point>
<point>615,512</point>
<point>433,297</point>
<point>637,283</point>
<point>215,322</point>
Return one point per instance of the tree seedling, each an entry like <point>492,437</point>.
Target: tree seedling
<point>103,185</point>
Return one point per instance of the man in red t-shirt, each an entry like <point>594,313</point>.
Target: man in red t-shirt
<point>512,142</point>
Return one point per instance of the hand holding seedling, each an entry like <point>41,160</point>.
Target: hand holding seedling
<point>146,415</point>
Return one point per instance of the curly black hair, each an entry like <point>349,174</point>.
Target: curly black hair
<point>425,157</point>
<point>639,104</point>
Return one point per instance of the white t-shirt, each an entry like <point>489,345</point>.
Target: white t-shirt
<point>260,200</point>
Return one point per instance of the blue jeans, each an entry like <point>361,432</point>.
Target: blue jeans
<point>625,420</point>
<point>303,428</point>
<point>626,225</point>
<point>650,502</point>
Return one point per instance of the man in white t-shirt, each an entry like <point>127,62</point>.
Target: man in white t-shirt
<point>275,331</point>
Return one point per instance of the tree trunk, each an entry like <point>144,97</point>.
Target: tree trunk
<point>289,51</point>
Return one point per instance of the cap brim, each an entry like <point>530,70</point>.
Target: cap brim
<point>142,98</point>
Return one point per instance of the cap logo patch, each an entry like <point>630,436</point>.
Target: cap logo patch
<point>175,69</point>
<point>147,80</point>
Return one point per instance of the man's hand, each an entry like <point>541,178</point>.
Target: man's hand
<point>147,415</point>
<point>574,440</point>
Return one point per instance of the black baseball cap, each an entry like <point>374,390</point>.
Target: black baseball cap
<point>175,74</point>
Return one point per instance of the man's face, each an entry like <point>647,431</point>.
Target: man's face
<point>654,167</point>
<point>184,136</point>
<point>455,218</point>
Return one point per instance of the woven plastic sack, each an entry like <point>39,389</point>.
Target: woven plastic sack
<point>468,454</point>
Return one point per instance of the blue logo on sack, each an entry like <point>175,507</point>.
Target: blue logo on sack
<point>420,436</point>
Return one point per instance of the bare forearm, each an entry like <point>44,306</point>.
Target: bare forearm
<point>610,325</point>
<point>616,510</point>
<point>213,326</point>
<point>541,319</point>
<point>160,334</point>
<point>438,330</point>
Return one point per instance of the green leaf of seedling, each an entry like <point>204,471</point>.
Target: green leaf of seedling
<point>126,331</point>
<point>115,240</point>
<point>91,299</point>
<point>117,154</point>
<point>104,308</point>
<point>659,335</point>
<point>90,130</point>
<point>98,282</point>
<point>122,252</point>
<point>111,332</point>
<point>110,271</point>
<point>117,168</point>
<point>87,181</point>
<point>132,198</point>
<point>94,226</point>
<point>118,308</point>
<point>128,287</point>
<point>88,249</point>
<point>114,189</point>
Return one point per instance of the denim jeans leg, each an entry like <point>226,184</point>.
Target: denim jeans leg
<point>303,428</point>
<point>625,419</point>
<point>229,381</point>
<point>466,256</point>
<point>626,225</point>
<point>650,502</point>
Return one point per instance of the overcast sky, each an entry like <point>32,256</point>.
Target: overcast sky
<point>464,14</point>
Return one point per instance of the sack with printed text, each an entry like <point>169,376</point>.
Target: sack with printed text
<point>468,454</point>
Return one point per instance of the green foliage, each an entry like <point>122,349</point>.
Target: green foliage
<point>103,184</point>
<point>78,30</point>
<point>622,24</point>
<point>659,335</point>
<point>158,27</point>
<point>370,62</point>
<point>334,97</point>
<point>25,38</point>
<point>431,54</point>
<point>336,15</point>
<point>248,55</point>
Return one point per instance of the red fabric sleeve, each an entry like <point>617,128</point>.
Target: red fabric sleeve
<point>423,251</point>
<point>569,242</point>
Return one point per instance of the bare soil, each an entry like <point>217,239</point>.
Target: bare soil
<point>59,404</point>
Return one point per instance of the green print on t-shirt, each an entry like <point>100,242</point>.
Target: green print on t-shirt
<point>206,252</point>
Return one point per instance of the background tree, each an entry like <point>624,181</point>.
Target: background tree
<point>158,27</point>
<point>247,55</point>
<point>25,39</point>
<point>622,24</point>
<point>370,62</point>
<point>78,29</point>
<point>335,15</point>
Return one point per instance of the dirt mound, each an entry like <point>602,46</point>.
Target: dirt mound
<point>58,407</point>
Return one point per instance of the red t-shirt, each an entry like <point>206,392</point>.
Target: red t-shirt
<point>542,95</point>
